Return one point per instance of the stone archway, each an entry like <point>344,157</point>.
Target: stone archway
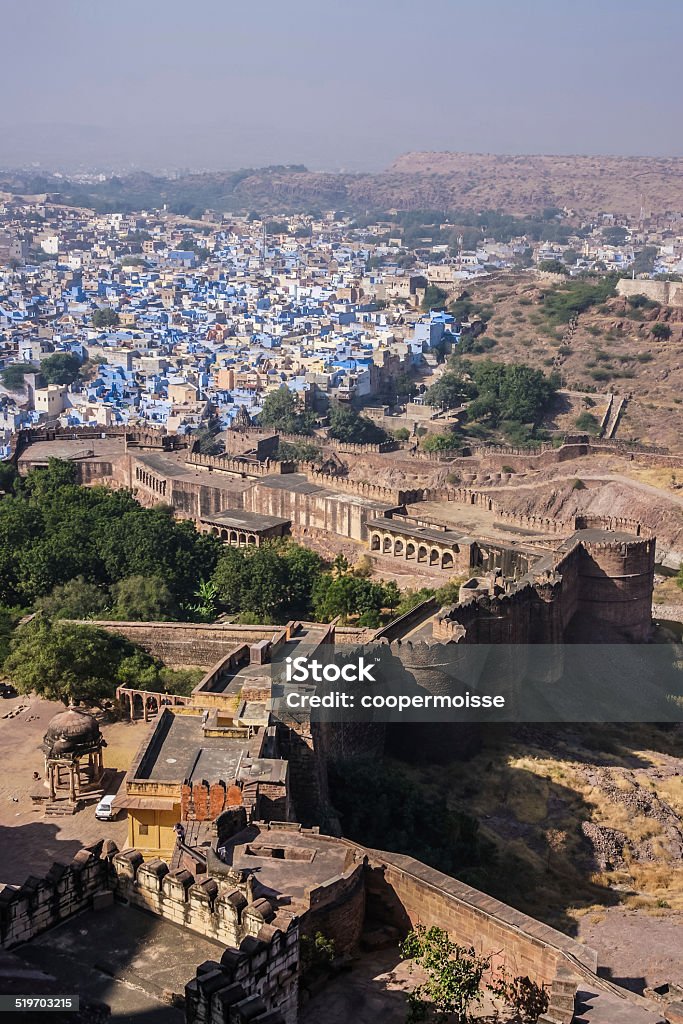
<point>434,557</point>
<point>398,548</point>
<point>410,550</point>
<point>422,553</point>
<point>387,546</point>
<point>375,542</point>
<point>447,560</point>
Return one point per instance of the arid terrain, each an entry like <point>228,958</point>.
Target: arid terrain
<point>611,349</point>
<point>586,821</point>
<point>520,185</point>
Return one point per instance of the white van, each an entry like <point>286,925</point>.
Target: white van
<point>104,810</point>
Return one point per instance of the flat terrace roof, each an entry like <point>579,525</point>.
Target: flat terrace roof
<point>178,750</point>
<point>397,526</point>
<point>287,862</point>
<point>302,485</point>
<point>308,637</point>
<point>74,449</point>
<point>481,524</point>
<point>239,520</point>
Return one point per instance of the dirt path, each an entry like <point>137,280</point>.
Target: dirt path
<point>636,949</point>
<point>30,842</point>
<point>639,485</point>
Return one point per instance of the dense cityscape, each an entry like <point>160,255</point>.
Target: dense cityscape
<point>341,513</point>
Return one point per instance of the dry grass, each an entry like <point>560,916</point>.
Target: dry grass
<point>520,792</point>
<point>611,340</point>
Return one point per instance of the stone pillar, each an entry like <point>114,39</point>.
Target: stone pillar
<point>51,781</point>
<point>72,785</point>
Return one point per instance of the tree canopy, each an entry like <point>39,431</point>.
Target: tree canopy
<point>53,531</point>
<point>281,411</point>
<point>510,392</point>
<point>271,583</point>
<point>103,318</point>
<point>60,368</point>
<point>13,375</point>
<point>74,661</point>
<point>449,391</point>
<point>345,424</point>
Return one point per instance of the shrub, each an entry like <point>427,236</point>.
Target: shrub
<point>588,423</point>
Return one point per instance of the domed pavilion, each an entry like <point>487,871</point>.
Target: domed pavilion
<point>71,736</point>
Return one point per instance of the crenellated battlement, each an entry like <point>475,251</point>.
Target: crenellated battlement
<point>240,465</point>
<point>66,889</point>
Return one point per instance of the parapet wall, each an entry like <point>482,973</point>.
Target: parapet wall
<point>241,466</point>
<point>225,915</point>
<point>376,492</point>
<point>257,984</point>
<point>187,644</point>
<point>405,892</point>
<point>668,293</point>
<point>41,903</point>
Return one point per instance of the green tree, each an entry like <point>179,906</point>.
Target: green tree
<point>13,375</point>
<point>75,599</point>
<point>587,423</point>
<point>660,331</point>
<point>60,368</point>
<point>449,391</point>
<point>392,595</point>
<point>281,412</point>
<point>552,267</point>
<point>303,568</point>
<point>346,425</point>
<point>273,582</point>
<point>614,235</point>
<point>66,661</point>
<point>441,443</point>
<point>455,976</point>
<point>105,318</point>
<point>142,599</point>
<point>434,298</point>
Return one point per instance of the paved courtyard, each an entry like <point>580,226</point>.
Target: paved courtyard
<point>29,841</point>
<point>132,961</point>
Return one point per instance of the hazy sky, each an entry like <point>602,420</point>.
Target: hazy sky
<point>334,83</point>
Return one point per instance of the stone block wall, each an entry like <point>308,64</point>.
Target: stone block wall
<point>404,892</point>
<point>41,903</point>
<point>224,914</point>
<point>181,644</point>
<point>258,984</point>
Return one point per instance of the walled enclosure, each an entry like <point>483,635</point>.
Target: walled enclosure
<point>259,972</point>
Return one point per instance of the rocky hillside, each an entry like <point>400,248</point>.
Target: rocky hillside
<point>519,185</point>
<point>611,349</point>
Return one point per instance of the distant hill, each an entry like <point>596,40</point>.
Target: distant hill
<point>520,185</point>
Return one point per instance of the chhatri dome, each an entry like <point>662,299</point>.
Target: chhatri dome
<point>73,733</point>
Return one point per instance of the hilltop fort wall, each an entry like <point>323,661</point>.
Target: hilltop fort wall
<point>668,293</point>
<point>258,975</point>
<point>609,580</point>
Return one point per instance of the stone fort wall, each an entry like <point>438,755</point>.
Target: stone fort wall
<point>259,972</point>
<point>611,582</point>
